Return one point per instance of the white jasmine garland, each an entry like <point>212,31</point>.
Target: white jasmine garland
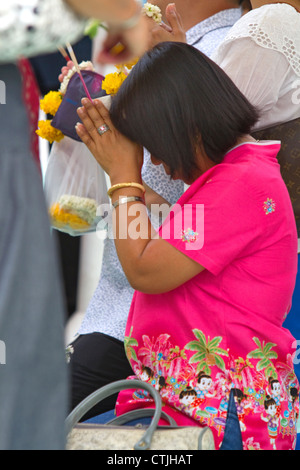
<point>83,66</point>
<point>153,12</point>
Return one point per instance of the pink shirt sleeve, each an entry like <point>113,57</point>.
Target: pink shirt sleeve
<point>221,222</point>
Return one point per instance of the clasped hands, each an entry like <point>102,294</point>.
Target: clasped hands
<point>117,155</point>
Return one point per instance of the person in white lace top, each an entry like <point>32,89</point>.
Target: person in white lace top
<point>261,54</point>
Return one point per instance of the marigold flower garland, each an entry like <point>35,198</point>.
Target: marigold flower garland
<point>48,132</point>
<point>50,104</point>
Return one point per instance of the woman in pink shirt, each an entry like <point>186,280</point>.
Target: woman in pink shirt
<point>214,285</point>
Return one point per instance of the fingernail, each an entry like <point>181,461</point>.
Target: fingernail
<point>78,127</point>
<point>85,101</point>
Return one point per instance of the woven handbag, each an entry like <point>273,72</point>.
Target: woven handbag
<point>115,435</point>
<point>288,158</point>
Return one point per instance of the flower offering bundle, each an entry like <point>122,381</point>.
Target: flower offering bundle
<point>75,185</point>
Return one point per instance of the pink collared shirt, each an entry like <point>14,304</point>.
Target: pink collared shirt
<point>222,330</point>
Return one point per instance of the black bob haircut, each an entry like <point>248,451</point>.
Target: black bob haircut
<point>176,99</point>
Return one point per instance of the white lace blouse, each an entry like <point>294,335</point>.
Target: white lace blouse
<point>30,27</point>
<point>261,54</point>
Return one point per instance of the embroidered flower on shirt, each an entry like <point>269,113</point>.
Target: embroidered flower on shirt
<point>269,206</point>
<point>189,236</point>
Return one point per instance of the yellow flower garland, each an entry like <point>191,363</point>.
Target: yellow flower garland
<point>51,102</point>
<point>112,82</point>
<point>48,132</point>
<point>50,105</point>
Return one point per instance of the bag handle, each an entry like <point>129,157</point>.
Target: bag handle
<point>111,389</point>
<point>138,414</point>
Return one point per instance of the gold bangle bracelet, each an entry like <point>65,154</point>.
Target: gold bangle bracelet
<point>125,185</point>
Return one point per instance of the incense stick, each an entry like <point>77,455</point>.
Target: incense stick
<point>64,53</point>
<point>70,49</point>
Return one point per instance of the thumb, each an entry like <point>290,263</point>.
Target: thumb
<point>173,18</point>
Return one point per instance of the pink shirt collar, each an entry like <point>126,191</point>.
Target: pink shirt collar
<point>267,148</point>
